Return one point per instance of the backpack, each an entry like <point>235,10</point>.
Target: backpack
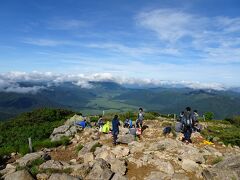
<point>187,119</point>
<point>139,131</point>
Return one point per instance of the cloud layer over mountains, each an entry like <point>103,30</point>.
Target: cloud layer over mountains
<point>12,81</point>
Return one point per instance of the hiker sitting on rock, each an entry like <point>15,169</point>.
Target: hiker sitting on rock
<point>83,123</point>
<point>133,130</point>
<point>115,129</point>
<point>100,122</point>
<point>127,123</point>
<point>187,122</point>
<point>106,127</point>
<point>140,118</point>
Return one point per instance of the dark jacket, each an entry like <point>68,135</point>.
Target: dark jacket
<point>115,125</point>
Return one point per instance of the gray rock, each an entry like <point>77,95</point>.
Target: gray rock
<point>29,158</point>
<point>156,175</point>
<point>192,153</point>
<point>136,147</point>
<point>178,176</point>
<point>73,119</point>
<point>87,148</point>
<point>167,144</point>
<point>118,166</point>
<point>56,165</point>
<point>164,166</point>
<point>61,129</point>
<point>190,166</point>
<point>214,173</point>
<point>229,168</point>
<point>8,170</point>
<point>58,176</point>
<point>120,151</point>
<point>42,176</point>
<point>80,170</point>
<point>125,139</point>
<point>19,175</point>
<point>88,157</point>
<point>119,177</point>
<point>57,137</point>
<point>100,170</point>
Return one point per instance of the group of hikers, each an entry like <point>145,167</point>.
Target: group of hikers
<point>188,122</point>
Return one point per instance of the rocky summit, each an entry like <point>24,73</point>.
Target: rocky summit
<point>152,156</point>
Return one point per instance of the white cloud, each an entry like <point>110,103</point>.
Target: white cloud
<point>10,82</point>
<point>216,39</point>
<point>135,51</point>
<point>45,42</point>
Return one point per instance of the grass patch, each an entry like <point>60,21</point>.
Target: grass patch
<point>228,134</point>
<point>93,149</point>
<point>49,144</point>
<point>79,147</point>
<point>33,168</point>
<point>51,171</point>
<point>217,160</point>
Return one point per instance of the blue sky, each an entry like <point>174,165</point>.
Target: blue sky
<point>173,40</point>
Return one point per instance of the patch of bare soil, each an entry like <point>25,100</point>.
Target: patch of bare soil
<point>135,173</point>
<point>64,153</point>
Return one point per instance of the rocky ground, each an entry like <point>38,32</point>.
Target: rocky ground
<point>153,157</point>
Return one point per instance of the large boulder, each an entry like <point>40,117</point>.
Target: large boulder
<point>64,130</point>
<point>80,170</point>
<point>190,166</point>
<point>88,157</point>
<point>135,147</point>
<point>19,175</point>
<point>55,165</point>
<point>229,168</point>
<point>8,170</point>
<point>119,177</point>
<point>157,175</point>
<point>29,158</point>
<point>100,170</point>
<point>58,176</point>
<point>73,119</point>
<point>167,144</point>
<point>118,166</point>
<point>61,129</point>
<point>89,147</point>
<point>192,153</point>
<point>42,176</point>
<point>120,151</point>
<point>125,139</point>
<point>164,166</point>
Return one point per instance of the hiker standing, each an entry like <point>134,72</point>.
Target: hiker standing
<point>115,128</point>
<point>195,121</point>
<point>140,118</point>
<point>187,121</point>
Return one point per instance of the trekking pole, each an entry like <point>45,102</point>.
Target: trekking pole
<point>30,144</point>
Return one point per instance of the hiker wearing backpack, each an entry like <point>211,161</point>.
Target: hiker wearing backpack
<point>140,118</point>
<point>187,122</point>
<point>196,125</point>
<point>115,129</point>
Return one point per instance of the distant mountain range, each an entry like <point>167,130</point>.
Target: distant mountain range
<point>112,97</point>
